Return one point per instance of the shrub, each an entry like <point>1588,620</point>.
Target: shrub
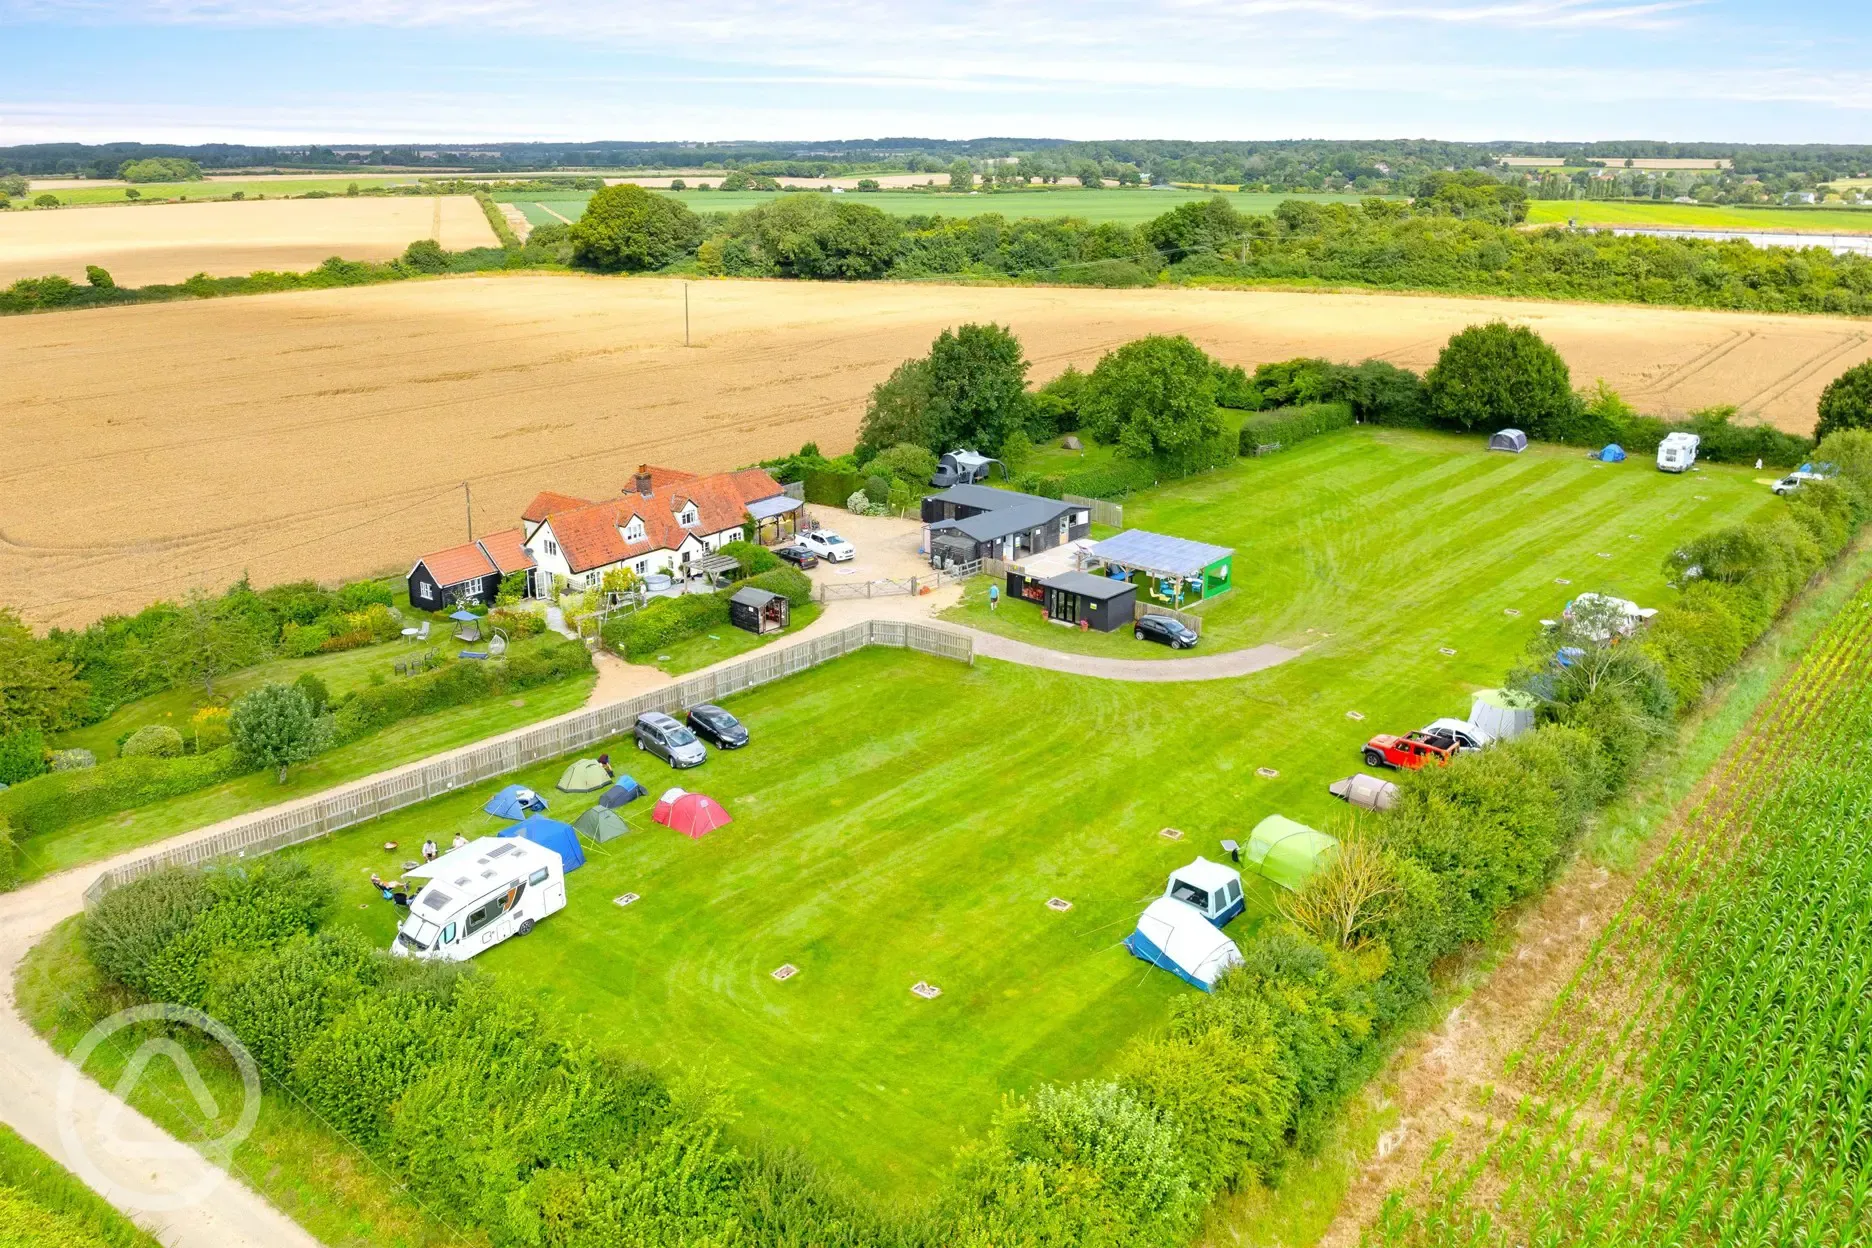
<point>99,277</point>
<point>73,760</point>
<point>209,728</point>
<point>314,690</point>
<point>362,595</point>
<point>1284,427</point>
<point>665,622</point>
<point>518,625</point>
<point>9,858</point>
<point>1497,375</point>
<point>858,503</point>
<point>275,726</point>
<point>302,641</point>
<point>830,488</point>
<point>22,755</point>
<point>152,741</point>
<point>425,255</point>
<point>754,559</point>
<point>905,461</point>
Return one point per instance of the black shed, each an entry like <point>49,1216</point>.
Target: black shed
<point>1079,598</point>
<point>758,611</point>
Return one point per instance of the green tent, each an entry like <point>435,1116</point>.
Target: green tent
<point>585,776</point>
<point>601,825</point>
<point>1288,853</point>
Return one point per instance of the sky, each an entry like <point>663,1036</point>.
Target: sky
<point>460,71</point>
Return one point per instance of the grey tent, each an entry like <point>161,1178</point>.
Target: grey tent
<point>623,793</point>
<point>1508,440</point>
<point>1365,791</point>
<point>1502,713</point>
<point>601,824</point>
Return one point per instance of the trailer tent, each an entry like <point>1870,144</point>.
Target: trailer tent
<point>585,776</point>
<point>556,836</point>
<point>1502,713</point>
<point>1288,853</point>
<point>1179,939</point>
<point>600,824</point>
<point>623,793</point>
<point>1511,440</point>
<point>515,802</point>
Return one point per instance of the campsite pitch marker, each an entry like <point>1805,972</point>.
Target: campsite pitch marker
<point>928,991</point>
<point>625,900</point>
<point>1561,580</point>
<point>1058,904</point>
<point>1510,611</point>
<point>1267,773</point>
<point>1171,834</point>
<point>1446,650</point>
<point>1355,715</point>
<point>786,972</point>
<point>1605,554</point>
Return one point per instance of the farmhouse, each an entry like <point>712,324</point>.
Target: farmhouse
<point>667,521</point>
<point>471,572</point>
<point>967,522</point>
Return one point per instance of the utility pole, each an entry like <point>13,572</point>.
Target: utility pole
<point>468,504</point>
<point>685,314</point>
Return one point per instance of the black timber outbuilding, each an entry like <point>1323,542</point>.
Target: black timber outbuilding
<point>976,522</point>
<point>758,610</point>
<point>1079,598</point>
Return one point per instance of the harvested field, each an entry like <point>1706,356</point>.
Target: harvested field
<point>173,242</point>
<point>323,434</point>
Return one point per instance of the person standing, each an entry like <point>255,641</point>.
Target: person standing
<point>994,599</point>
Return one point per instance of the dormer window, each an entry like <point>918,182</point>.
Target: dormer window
<point>634,531</point>
<point>687,517</point>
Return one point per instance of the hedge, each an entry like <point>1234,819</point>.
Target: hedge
<point>648,631</point>
<point>454,684</point>
<point>1286,426</point>
<point>830,489</point>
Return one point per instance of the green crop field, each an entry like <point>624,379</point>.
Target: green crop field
<point>1128,207</point>
<point>272,188</point>
<point>903,818</point>
<point>1700,216</point>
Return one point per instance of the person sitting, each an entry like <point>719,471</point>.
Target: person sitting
<point>398,894</point>
<point>460,841</point>
<point>376,882</point>
<point>429,850</point>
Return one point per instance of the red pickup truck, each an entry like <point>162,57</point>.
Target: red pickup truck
<point>1409,753</point>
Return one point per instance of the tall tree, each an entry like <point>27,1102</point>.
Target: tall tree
<point>1846,403</point>
<point>207,640</point>
<point>898,410</point>
<point>978,388</point>
<point>1497,376</point>
<point>961,175</point>
<point>627,228</point>
<point>1155,396</point>
<point>38,691</point>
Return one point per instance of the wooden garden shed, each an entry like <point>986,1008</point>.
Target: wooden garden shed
<point>758,610</point>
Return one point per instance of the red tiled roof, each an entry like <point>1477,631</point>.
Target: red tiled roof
<point>458,564</point>
<point>547,502</point>
<point>505,550</point>
<point>592,536</point>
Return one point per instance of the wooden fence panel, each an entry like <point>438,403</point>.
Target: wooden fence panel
<point>265,832</point>
<point>1103,510</point>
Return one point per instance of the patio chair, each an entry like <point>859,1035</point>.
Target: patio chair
<point>422,634</point>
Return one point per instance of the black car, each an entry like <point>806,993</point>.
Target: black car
<point>1165,631</point>
<point>798,556</point>
<point>717,726</point>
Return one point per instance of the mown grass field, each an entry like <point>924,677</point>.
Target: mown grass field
<point>41,1204</point>
<point>1835,220</point>
<point>1128,207</point>
<point>902,818</point>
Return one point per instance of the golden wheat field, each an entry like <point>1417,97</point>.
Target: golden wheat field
<point>139,245</point>
<point>326,434</point>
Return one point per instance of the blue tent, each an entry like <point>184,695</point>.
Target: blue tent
<point>516,801</point>
<point>1613,454</point>
<point>622,793</point>
<point>561,838</point>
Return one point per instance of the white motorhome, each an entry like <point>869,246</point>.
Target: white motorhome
<point>1677,452</point>
<point>478,896</point>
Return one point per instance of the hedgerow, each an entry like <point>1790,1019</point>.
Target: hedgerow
<point>1287,426</point>
<point>666,621</point>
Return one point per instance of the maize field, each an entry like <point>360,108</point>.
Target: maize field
<point>1706,1077</point>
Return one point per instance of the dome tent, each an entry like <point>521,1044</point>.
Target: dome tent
<point>1612,454</point>
<point>1175,936</point>
<point>601,824</point>
<point>695,815</point>
<point>1512,440</point>
<point>587,775</point>
<point>516,801</point>
<point>556,836</point>
<point>1288,853</point>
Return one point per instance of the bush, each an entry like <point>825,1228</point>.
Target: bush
<point>518,625</point>
<point>99,277</point>
<point>73,760</point>
<point>276,726</point>
<point>152,741</point>
<point>625,227</point>
<point>208,729</point>
<point>1496,376</point>
<point>1287,426</point>
<point>790,583</point>
<point>302,641</point>
<point>22,755</point>
<point>425,255</point>
<point>647,632</point>
<point>314,690</point>
<point>754,559</point>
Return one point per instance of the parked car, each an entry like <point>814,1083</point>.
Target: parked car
<point>828,546</point>
<point>1407,753</point>
<point>1465,735</point>
<point>1165,630</point>
<point>668,740</point>
<point>717,727</point>
<point>798,556</point>
<point>1794,480</point>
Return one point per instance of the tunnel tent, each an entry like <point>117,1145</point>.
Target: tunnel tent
<point>516,801</point>
<point>1288,853</point>
<point>600,824</point>
<point>1176,937</point>
<point>622,793</point>
<point>561,838</point>
<point>1511,440</point>
<point>587,775</point>
<point>1502,713</point>
<point>1365,791</point>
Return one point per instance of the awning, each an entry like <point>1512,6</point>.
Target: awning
<point>465,616</point>
<point>768,508</point>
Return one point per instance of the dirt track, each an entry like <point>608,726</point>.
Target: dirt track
<point>173,242</point>
<point>327,433</point>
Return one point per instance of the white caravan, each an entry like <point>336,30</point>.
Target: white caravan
<point>1677,452</point>
<point>478,896</point>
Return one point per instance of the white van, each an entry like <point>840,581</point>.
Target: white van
<point>478,896</point>
<point>1677,452</point>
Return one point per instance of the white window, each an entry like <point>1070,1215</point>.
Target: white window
<point>422,591</point>
<point>643,566</point>
<point>688,516</point>
<point>634,531</point>
<point>552,547</point>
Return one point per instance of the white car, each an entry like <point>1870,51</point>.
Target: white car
<point>1467,736</point>
<point>828,546</point>
<point>1794,480</point>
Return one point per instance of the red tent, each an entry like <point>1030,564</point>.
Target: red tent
<point>695,815</point>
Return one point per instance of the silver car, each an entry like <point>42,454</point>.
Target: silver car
<point>668,740</point>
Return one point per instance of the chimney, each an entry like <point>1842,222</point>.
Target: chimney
<point>641,483</point>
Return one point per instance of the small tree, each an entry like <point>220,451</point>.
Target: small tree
<point>512,590</point>
<point>1846,403</point>
<point>131,193</point>
<point>207,642</point>
<point>1498,375</point>
<point>1155,396</point>
<point>46,201</point>
<point>274,727</point>
<point>961,175</point>
<point>626,227</point>
<point>425,255</point>
<point>1343,905</point>
<point>898,411</point>
<point>99,277</point>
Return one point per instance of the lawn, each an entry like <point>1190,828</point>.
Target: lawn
<point>1360,540</point>
<point>1836,220</point>
<point>272,188</point>
<point>727,642</point>
<point>1129,207</point>
<point>52,1206</point>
